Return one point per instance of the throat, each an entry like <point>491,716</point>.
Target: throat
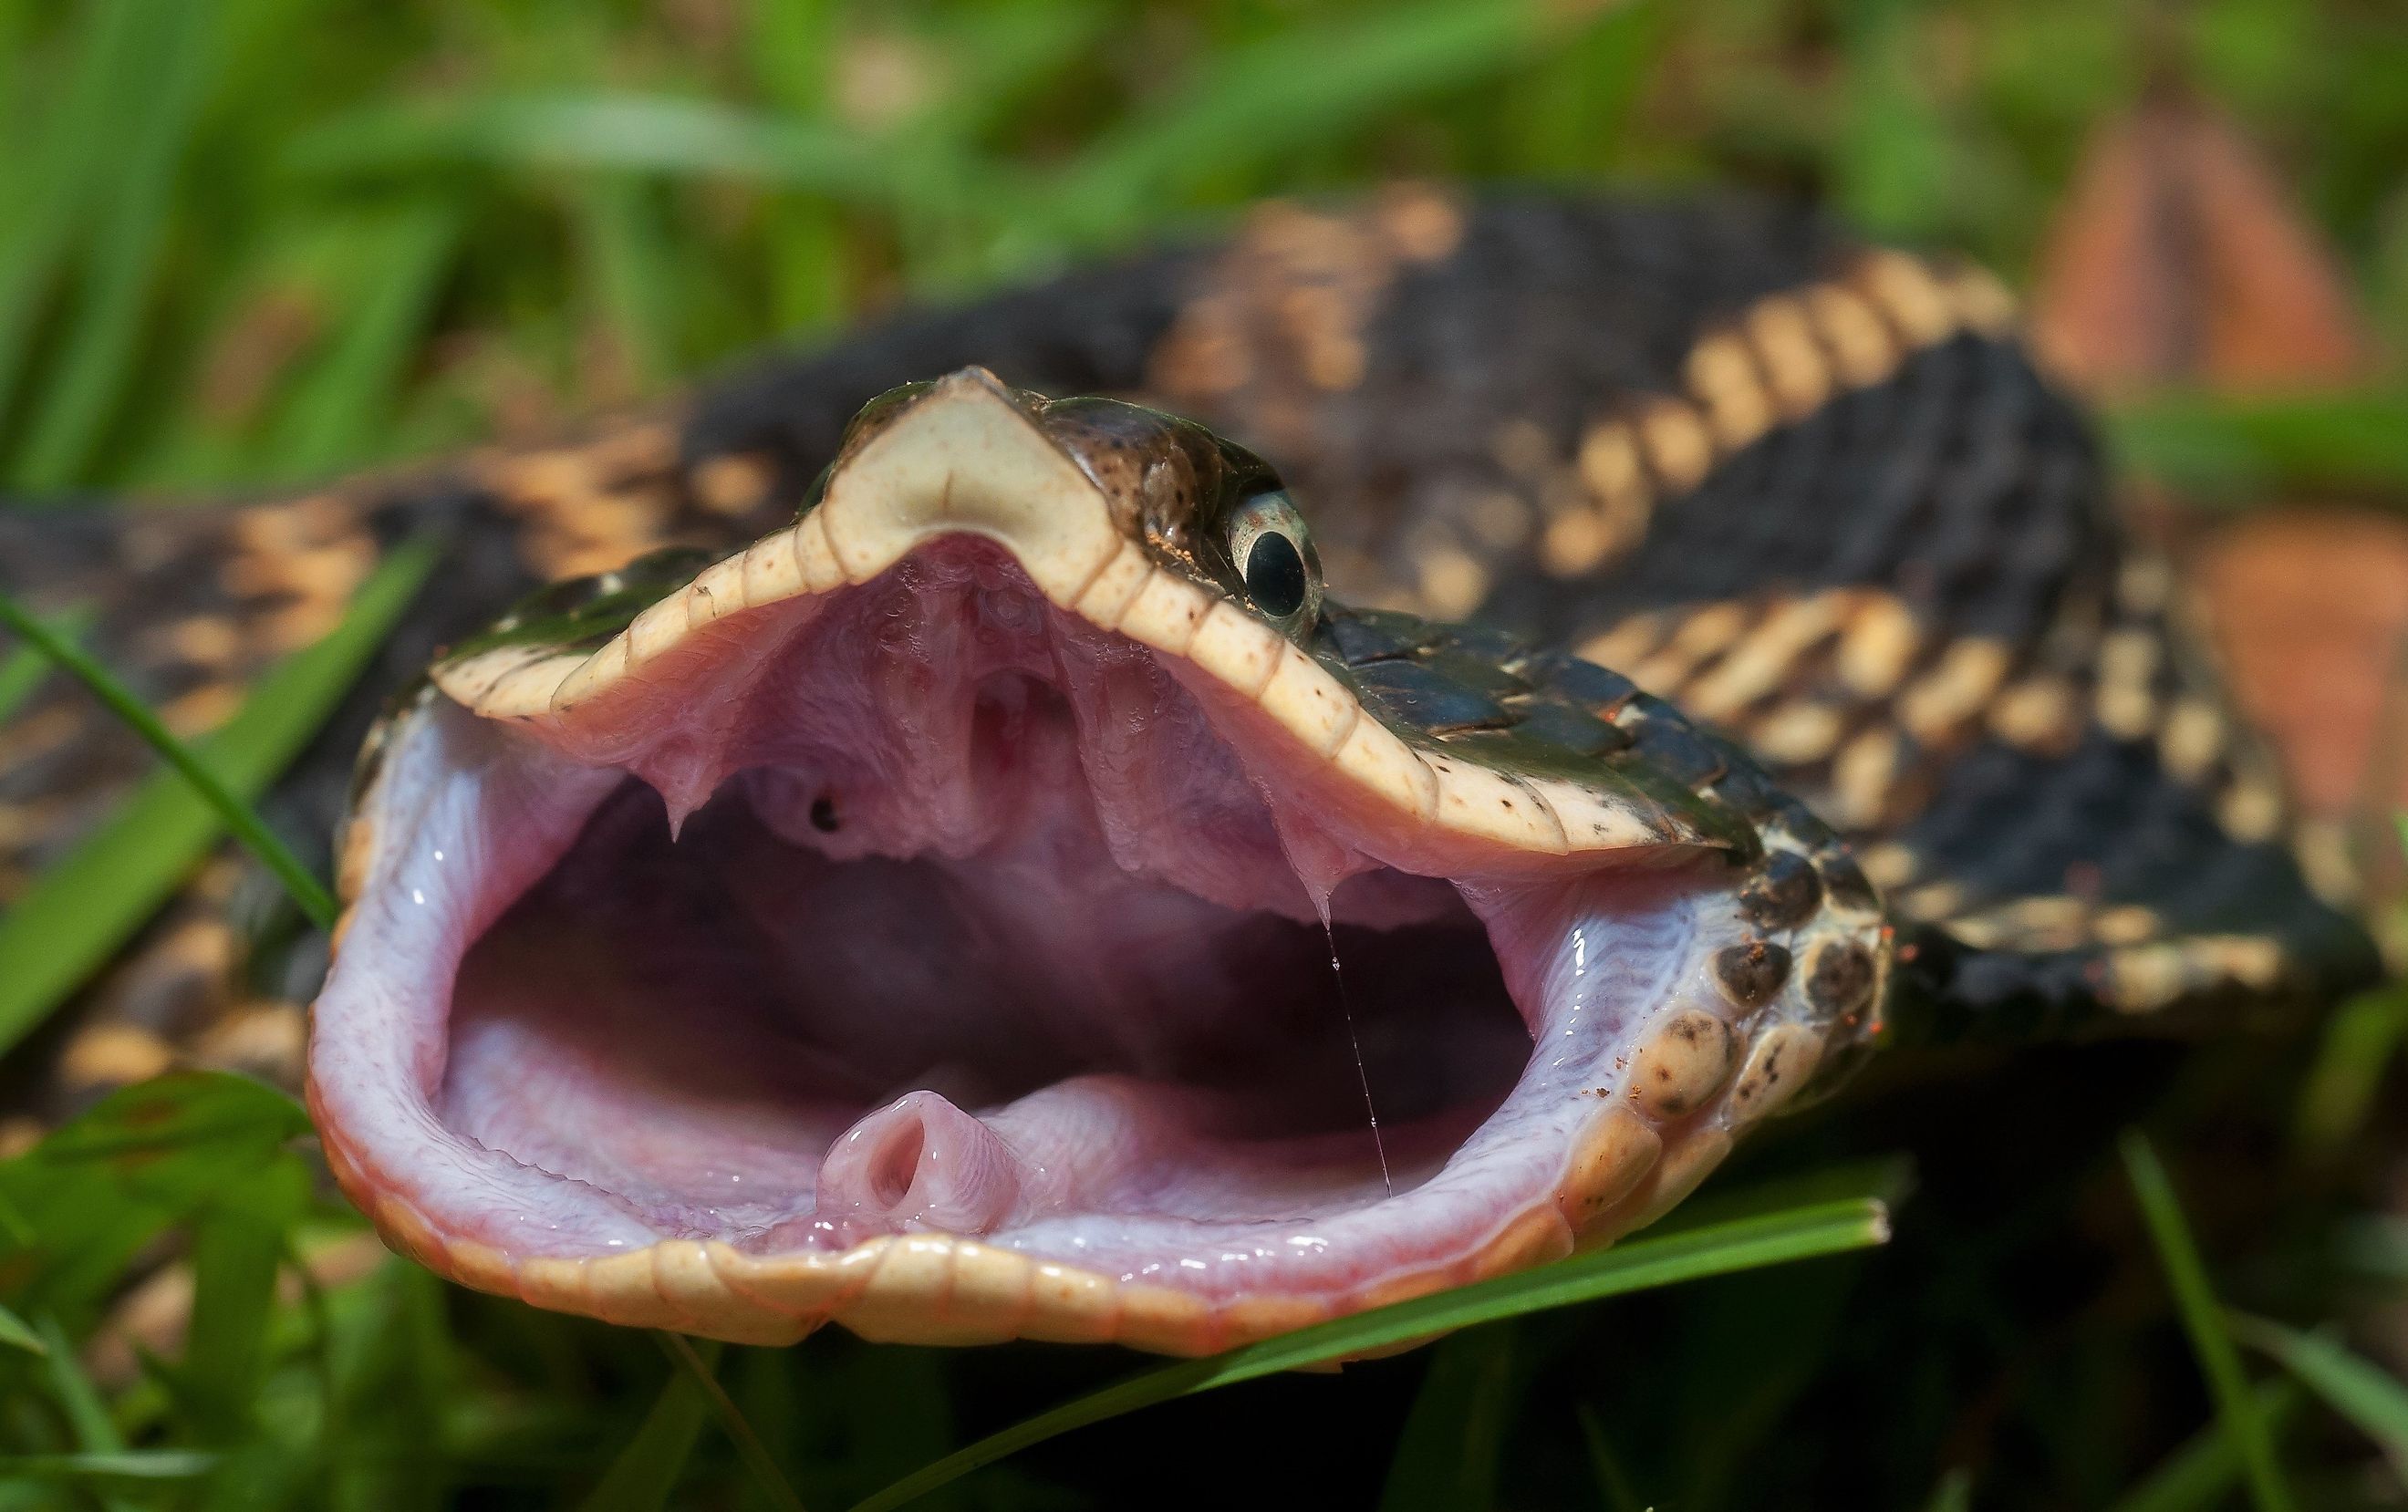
<point>716,1028</point>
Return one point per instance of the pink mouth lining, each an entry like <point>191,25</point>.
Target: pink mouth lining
<point>980,920</point>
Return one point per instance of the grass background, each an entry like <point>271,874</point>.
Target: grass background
<point>247,242</point>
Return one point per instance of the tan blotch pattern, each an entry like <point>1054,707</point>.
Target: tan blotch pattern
<point>1283,322</point>
<point>1775,362</point>
<point>1858,707</point>
<point>588,509</point>
<point>1842,689</point>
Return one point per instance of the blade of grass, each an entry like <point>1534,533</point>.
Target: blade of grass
<point>620,133</point>
<point>2373,1246</point>
<point>1447,1455</point>
<point>16,1334</point>
<point>2338,1093</point>
<point>2356,1047</point>
<point>1613,1486</point>
<point>1303,85</point>
<point>87,1415</point>
<point>629,269</point>
<point>998,57</point>
<point>1954,1493</point>
<point>748,1448</point>
<point>83,907</point>
<point>644,1474</point>
<point>233,812</point>
<point>1743,1366</point>
<point>890,1406</point>
<point>334,414</point>
<point>2365,1393</point>
<point>96,1431</point>
<point>2202,1319</point>
<point>1744,1244</point>
<point>399,1380</point>
<point>2234,450</point>
<point>125,1464</point>
<point>61,173</point>
<point>239,1245</point>
<point>78,400</point>
<point>1570,114</point>
<point>100,1188</point>
<point>2203,1472</point>
<point>1887,1179</point>
<point>1891,162</point>
<point>791,46</point>
<point>790,50</point>
<point>26,666</point>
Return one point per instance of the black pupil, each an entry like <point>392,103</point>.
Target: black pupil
<point>1275,574</point>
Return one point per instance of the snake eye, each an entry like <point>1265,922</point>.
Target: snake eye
<point>1274,556</point>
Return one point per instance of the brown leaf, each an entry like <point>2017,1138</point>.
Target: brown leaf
<point>2309,613</point>
<point>2179,257</point>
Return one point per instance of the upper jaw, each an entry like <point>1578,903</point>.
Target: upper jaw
<point>1641,1079</point>
<point>1100,508</point>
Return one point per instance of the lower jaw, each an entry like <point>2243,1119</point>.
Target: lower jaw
<point>599,1155</point>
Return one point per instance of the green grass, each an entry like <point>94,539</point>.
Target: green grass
<point>1769,1238</point>
<point>198,774</point>
<point>249,243</point>
<point>2219,1358</point>
<point>89,900</point>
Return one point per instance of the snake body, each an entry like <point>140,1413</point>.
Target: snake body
<point>1810,498</point>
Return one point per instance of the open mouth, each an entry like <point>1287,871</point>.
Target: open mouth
<point>902,938</point>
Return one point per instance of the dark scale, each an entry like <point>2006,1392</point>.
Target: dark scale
<point>1670,745</point>
<point>1564,726</point>
<point>1752,972</point>
<point>1745,787</point>
<point>1843,881</point>
<point>1361,635</point>
<point>1784,894</point>
<point>1838,977</point>
<point>1598,690</point>
<point>1414,694</point>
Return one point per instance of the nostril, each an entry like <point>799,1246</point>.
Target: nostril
<point>895,1164</point>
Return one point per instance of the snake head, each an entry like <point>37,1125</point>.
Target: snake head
<point>1016,901</point>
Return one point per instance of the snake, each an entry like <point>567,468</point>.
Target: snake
<point>1212,791</point>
